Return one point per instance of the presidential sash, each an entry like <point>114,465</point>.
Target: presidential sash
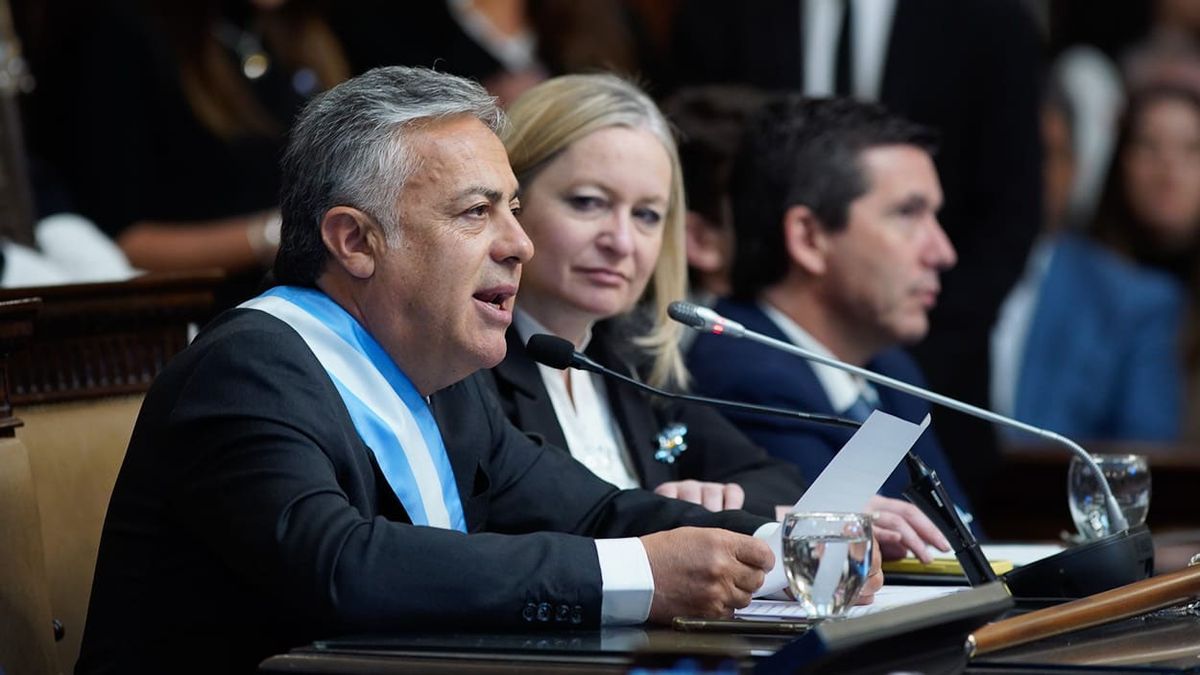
<point>390,415</point>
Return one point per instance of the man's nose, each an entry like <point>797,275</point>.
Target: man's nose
<point>513,245</point>
<point>939,252</point>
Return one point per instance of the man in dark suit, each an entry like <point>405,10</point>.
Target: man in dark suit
<point>838,250</point>
<point>969,69</point>
<point>322,460</point>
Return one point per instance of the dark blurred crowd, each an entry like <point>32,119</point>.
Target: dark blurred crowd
<point>1068,152</point>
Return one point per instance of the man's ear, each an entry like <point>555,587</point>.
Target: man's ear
<point>353,240</point>
<point>805,239</point>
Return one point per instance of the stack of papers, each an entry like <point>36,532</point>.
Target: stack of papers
<point>888,597</point>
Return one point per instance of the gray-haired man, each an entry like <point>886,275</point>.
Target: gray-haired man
<point>321,461</point>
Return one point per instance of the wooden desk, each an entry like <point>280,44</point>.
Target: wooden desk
<point>1157,644</point>
<point>1162,645</point>
<point>608,650</point>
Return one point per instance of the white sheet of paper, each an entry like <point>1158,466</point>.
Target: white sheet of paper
<point>1019,554</point>
<point>1014,552</point>
<point>888,597</point>
<point>855,473</point>
<point>862,465</point>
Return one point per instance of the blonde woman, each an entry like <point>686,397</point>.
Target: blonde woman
<point>602,201</point>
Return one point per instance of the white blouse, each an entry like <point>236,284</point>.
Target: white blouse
<point>593,437</point>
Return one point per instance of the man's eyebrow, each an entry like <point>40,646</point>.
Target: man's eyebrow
<point>491,194</point>
<point>914,200</point>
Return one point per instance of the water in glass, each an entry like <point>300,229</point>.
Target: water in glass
<point>826,557</point>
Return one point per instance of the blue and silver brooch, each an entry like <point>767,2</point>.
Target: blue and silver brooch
<point>672,442</point>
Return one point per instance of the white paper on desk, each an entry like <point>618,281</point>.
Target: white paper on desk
<point>855,474</point>
<point>1019,554</point>
<point>888,597</point>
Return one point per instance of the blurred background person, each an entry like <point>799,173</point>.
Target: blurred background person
<point>710,120</point>
<point>1150,209</point>
<point>166,120</point>
<point>534,39</point>
<point>176,118</point>
<point>41,243</point>
<point>1087,343</point>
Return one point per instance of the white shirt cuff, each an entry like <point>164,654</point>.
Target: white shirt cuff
<point>775,580</point>
<point>625,581</point>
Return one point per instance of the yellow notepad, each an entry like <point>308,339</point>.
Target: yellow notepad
<point>938,566</point>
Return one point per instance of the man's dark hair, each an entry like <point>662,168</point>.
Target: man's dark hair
<point>801,151</point>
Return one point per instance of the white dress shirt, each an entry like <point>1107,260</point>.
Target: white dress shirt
<point>593,436</point>
<point>842,388</point>
<point>822,24</point>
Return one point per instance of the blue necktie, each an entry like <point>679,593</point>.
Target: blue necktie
<point>860,410</point>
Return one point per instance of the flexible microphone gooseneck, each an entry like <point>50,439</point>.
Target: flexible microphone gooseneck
<point>706,320</point>
<point>553,351</point>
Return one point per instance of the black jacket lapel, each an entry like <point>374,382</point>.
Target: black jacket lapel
<point>523,395</point>
<point>636,419</point>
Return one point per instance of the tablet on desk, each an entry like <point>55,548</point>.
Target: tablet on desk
<point>745,626</point>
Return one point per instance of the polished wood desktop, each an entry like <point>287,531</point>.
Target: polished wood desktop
<point>608,650</point>
<point>1155,643</point>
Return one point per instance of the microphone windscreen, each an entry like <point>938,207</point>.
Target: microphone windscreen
<point>551,350</point>
<point>685,313</point>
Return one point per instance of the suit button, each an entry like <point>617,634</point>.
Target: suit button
<point>529,611</point>
<point>543,611</point>
<point>563,613</point>
<point>577,614</point>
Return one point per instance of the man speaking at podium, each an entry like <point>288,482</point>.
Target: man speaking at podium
<point>322,461</point>
<point>838,250</point>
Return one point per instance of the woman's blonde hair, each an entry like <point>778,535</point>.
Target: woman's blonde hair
<point>547,119</point>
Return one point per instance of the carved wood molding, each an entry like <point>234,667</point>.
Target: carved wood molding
<point>16,327</point>
<point>93,340</point>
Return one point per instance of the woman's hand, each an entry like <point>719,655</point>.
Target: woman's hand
<point>712,496</point>
<point>874,580</point>
<point>900,527</point>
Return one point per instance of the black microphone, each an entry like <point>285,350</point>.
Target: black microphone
<point>553,351</point>
<point>926,491</point>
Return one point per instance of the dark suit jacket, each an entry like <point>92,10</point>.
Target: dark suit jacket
<point>716,450</point>
<point>1101,360</point>
<point>749,371</point>
<point>249,517</point>
<point>969,69</point>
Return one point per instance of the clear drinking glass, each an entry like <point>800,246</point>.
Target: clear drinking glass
<point>1129,478</point>
<point>826,557</point>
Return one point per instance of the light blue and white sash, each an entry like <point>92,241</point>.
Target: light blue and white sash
<point>390,415</point>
